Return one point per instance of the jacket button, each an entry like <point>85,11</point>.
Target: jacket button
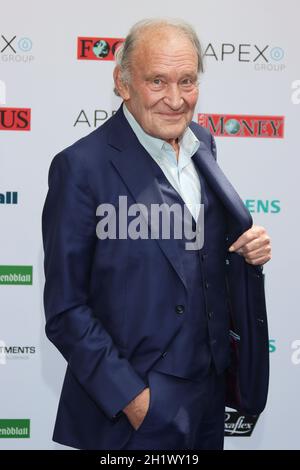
<point>164,354</point>
<point>179,309</point>
<point>206,284</point>
<point>210,314</point>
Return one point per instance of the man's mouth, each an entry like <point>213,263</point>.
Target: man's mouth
<point>171,116</point>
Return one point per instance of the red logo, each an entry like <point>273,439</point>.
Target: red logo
<point>97,48</point>
<point>237,125</point>
<point>15,119</point>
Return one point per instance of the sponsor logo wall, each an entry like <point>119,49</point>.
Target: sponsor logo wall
<point>56,64</point>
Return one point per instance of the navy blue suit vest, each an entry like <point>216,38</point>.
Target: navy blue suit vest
<point>204,336</point>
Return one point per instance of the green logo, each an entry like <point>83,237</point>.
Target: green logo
<point>14,428</point>
<point>263,206</point>
<point>16,275</point>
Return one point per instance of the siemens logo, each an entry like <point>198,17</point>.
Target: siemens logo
<point>265,206</point>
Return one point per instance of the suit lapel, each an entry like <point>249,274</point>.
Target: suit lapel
<point>133,164</point>
<point>240,219</point>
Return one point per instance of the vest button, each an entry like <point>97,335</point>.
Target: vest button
<point>210,314</point>
<point>206,284</point>
<point>179,309</point>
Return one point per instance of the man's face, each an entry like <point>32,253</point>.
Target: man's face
<point>163,91</point>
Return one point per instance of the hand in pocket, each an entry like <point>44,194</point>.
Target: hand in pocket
<point>137,410</point>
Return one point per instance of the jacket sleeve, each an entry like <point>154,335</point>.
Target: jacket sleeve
<point>69,236</point>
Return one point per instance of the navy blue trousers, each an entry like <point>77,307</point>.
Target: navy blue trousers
<point>182,415</point>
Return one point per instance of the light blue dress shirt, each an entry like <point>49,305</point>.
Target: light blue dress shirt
<point>181,174</point>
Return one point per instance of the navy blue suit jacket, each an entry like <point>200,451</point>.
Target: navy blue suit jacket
<point>104,298</point>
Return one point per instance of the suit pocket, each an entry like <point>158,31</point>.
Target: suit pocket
<point>148,421</point>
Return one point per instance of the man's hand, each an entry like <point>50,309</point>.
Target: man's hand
<point>137,409</point>
<point>254,245</point>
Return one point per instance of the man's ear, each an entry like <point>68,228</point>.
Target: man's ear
<point>121,87</point>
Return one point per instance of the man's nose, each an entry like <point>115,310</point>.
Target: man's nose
<point>173,97</point>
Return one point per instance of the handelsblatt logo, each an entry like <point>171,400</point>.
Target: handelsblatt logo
<point>97,48</point>
<point>9,197</point>
<point>237,424</point>
<point>15,119</point>
<point>14,428</point>
<point>239,125</point>
<point>15,275</point>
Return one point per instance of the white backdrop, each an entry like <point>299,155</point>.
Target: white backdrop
<point>39,70</point>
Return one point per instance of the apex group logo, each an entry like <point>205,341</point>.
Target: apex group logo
<point>93,119</point>
<point>239,125</point>
<point>15,49</point>
<point>265,57</point>
<point>237,424</point>
<point>15,119</point>
<point>97,48</point>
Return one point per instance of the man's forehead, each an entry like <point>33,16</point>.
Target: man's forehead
<point>163,38</point>
<point>166,51</point>
<point>160,62</point>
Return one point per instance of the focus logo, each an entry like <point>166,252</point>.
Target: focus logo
<point>15,119</point>
<point>235,125</point>
<point>97,48</point>
<point>240,425</point>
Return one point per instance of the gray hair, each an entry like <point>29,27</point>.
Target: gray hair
<point>124,52</point>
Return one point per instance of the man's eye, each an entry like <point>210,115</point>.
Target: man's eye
<point>187,82</point>
<point>157,81</point>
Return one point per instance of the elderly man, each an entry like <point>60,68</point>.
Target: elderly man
<point>143,322</point>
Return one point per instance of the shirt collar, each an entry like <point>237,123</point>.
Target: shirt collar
<point>188,142</point>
